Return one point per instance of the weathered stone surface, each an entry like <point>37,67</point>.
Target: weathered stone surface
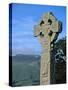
<point>46,31</point>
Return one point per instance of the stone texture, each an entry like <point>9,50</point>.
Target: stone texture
<point>46,31</point>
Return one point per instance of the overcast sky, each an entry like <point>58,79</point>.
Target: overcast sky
<point>24,17</point>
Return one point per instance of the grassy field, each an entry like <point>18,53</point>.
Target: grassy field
<point>25,72</point>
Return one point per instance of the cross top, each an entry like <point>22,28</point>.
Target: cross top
<point>48,27</point>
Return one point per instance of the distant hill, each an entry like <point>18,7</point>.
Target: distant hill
<point>23,58</point>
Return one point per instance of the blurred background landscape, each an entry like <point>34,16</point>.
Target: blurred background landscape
<point>26,68</point>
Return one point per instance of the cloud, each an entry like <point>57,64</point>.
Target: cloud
<point>22,27</point>
<point>23,40</point>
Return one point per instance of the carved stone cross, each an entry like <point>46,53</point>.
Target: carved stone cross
<point>47,31</point>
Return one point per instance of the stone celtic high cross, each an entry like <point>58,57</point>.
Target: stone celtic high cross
<point>46,31</point>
